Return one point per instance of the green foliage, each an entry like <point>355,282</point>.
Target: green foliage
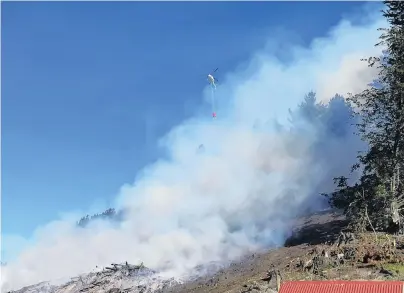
<point>108,214</point>
<point>366,203</point>
<point>377,200</point>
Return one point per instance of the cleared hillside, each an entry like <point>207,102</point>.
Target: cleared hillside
<point>317,250</point>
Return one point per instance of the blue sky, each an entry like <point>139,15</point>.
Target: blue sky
<point>88,88</point>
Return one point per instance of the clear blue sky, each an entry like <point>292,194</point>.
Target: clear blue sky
<point>89,87</point>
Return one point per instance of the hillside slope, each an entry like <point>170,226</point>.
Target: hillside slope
<point>315,251</point>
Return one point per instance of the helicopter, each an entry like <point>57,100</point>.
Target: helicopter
<point>211,79</point>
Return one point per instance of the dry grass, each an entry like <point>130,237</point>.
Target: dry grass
<point>371,256</point>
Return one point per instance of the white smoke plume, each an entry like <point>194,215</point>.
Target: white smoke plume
<point>257,172</point>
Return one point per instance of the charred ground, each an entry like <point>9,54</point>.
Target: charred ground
<point>320,248</point>
<point>317,250</point>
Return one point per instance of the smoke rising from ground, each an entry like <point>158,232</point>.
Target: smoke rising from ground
<point>261,167</point>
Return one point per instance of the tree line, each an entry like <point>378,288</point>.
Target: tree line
<point>376,200</point>
<point>109,214</point>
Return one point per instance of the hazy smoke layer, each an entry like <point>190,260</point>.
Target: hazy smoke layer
<point>258,169</point>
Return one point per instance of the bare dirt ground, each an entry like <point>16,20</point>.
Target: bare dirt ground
<point>311,253</point>
<point>315,251</point>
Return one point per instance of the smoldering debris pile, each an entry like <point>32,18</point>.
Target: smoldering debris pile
<point>117,278</point>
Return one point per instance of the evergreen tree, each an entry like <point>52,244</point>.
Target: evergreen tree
<point>109,214</point>
<point>377,200</point>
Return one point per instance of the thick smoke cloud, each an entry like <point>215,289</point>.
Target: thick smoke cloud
<point>262,166</point>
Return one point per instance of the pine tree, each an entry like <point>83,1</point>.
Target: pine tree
<point>378,196</point>
<point>109,214</point>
